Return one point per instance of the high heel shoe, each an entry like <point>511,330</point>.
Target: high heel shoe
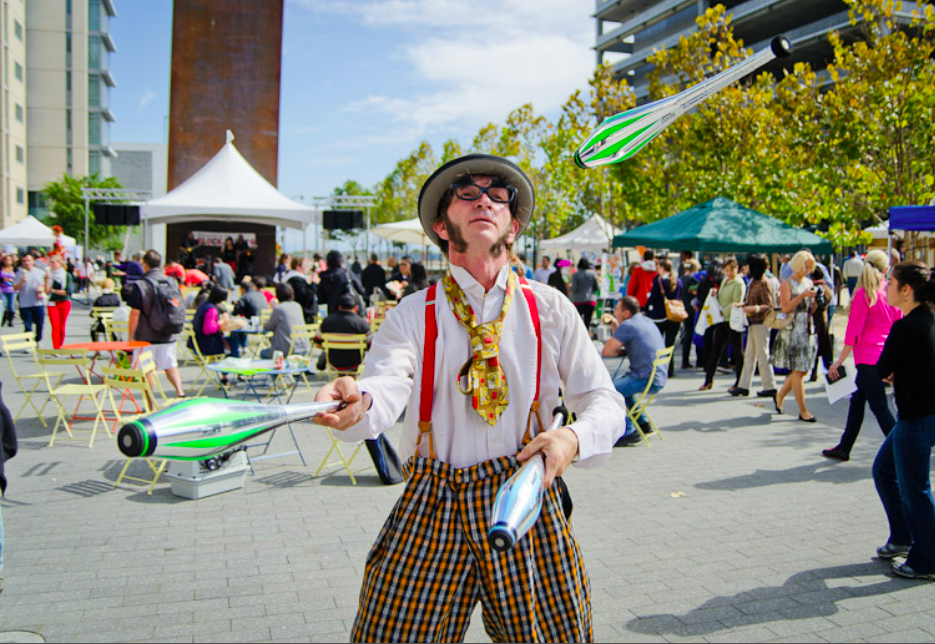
<point>776,404</point>
<point>807,420</point>
<point>706,386</point>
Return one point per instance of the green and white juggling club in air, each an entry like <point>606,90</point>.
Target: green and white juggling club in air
<point>202,427</point>
<point>621,136</point>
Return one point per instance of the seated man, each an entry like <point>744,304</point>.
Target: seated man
<point>639,338</point>
<point>344,320</point>
<point>285,316</point>
<point>249,305</point>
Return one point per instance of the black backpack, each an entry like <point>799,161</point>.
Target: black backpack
<point>167,311</point>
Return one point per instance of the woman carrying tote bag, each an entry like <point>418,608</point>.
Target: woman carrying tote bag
<point>666,288</point>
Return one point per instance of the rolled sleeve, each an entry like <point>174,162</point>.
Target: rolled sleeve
<point>589,393</point>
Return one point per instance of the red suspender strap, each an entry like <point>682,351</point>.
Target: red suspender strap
<point>534,312</point>
<point>428,372</point>
<point>428,362</point>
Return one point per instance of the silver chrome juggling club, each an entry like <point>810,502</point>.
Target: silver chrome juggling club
<point>621,136</point>
<point>199,428</point>
<point>519,500</point>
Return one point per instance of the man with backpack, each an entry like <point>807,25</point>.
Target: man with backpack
<point>157,317</point>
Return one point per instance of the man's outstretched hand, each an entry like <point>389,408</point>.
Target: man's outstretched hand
<point>559,449</point>
<point>356,405</point>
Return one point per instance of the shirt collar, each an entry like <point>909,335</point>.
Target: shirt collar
<point>472,287</point>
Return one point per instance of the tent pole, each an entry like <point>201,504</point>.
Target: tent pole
<point>87,206</point>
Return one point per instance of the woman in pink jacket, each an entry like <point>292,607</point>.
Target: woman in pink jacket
<point>868,326</point>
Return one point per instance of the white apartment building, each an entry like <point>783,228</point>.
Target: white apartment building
<point>68,47</point>
<point>13,149</point>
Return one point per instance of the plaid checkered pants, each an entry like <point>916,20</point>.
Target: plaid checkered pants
<point>431,564</point>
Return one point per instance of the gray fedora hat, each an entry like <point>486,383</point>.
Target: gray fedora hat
<point>434,188</point>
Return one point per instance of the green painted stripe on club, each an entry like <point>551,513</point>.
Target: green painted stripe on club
<point>611,150</point>
<point>217,441</point>
<point>145,434</point>
<point>641,146</point>
<point>600,135</point>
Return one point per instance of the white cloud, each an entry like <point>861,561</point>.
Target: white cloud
<point>145,100</point>
<point>482,59</point>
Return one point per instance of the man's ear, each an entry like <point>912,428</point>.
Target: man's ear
<point>514,228</point>
<point>440,229</point>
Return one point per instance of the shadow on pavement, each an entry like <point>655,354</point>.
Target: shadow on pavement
<point>286,479</point>
<point>87,489</point>
<point>341,479</point>
<point>822,472</point>
<point>760,605</point>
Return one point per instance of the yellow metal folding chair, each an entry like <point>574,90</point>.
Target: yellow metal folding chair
<point>346,342</point>
<point>83,389</point>
<point>202,361</point>
<point>123,381</point>
<point>27,342</point>
<point>119,329</point>
<point>642,400</point>
<point>305,332</point>
<point>102,312</point>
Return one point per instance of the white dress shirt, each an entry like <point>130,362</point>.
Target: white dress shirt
<point>393,376</point>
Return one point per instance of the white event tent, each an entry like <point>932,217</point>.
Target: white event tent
<point>227,188</point>
<point>32,232</point>
<point>408,231</point>
<point>593,235</point>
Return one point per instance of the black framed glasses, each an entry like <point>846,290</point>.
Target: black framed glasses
<point>473,192</point>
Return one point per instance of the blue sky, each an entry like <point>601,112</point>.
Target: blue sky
<point>364,81</point>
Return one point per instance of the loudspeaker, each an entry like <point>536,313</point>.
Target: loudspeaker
<point>342,219</point>
<point>116,215</point>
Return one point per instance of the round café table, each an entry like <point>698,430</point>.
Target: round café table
<point>110,347</point>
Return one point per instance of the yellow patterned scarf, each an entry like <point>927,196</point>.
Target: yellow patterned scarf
<point>486,382</point>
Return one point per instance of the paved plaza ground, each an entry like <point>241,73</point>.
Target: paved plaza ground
<point>734,528</point>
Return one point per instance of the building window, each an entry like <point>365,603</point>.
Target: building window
<point>94,162</point>
<point>19,113</point>
<point>94,15</point>
<point>68,127</point>
<point>94,129</point>
<point>18,30</point>
<point>68,88</point>
<point>18,70</point>
<point>20,154</point>
<point>94,52</point>
<point>38,206</point>
<point>94,91</point>
<point>68,161</point>
<point>20,196</point>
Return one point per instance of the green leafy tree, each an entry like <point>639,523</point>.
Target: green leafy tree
<point>872,135</point>
<point>66,205</point>
<point>398,194</point>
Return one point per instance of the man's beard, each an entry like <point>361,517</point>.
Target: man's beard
<point>457,241</point>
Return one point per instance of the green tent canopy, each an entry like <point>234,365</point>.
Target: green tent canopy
<point>724,226</point>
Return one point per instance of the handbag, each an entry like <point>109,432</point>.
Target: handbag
<point>738,319</point>
<point>385,460</point>
<point>776,319</point>
<point>675,311</point>
<point>710,313</point>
